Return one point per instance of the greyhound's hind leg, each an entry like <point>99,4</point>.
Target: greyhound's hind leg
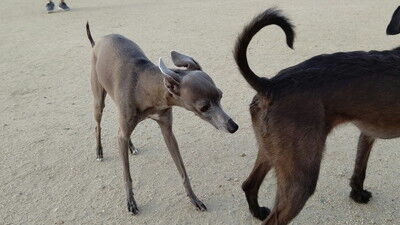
<point>99,95</point>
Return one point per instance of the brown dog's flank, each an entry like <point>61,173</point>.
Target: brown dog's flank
<point>293,113</point>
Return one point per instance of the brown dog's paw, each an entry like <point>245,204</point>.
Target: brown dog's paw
<point>360,196</point>
<point>262,214</point>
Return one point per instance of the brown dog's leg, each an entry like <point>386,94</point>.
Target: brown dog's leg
<point>99,95</point>
<point>364,147</point>
<point>128,122</point>
<point>297,158</point>
<point>165,123</point>
<point>295,186</point>
<point>252,184</point>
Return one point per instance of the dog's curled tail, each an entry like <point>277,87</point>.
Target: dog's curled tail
<point>89,34</point>
<point>271,16</point>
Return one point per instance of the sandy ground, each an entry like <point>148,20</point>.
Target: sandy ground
<point>48,172</point>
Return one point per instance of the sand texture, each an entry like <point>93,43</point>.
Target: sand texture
<point>48,171</point>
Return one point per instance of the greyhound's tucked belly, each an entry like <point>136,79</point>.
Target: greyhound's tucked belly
<point>379,130</point>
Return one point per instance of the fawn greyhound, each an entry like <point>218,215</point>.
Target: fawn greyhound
<point>143,90</point>
<point>293,112</point>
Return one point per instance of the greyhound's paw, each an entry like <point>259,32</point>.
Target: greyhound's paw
<point>360,196</point>
<point>262,213</point>
<point>99,157</point>
<point>132,207</point>
<point>132,149</point>
<point>99,153</point>
<point>198,204</point>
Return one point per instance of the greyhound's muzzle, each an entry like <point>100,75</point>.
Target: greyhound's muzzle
<point>232,127</point>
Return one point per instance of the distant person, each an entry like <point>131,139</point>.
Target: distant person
<point>62,5</point>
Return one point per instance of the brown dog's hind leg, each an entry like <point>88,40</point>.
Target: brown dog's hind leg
<point>364,147</point>
<point>297,158</point>
<point>252,184</point>
<point>99,95</point>
<point>295,186</point>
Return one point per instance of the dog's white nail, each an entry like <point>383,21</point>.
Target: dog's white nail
<point>135,151</point>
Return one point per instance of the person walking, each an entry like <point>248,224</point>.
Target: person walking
<point>62,5</point>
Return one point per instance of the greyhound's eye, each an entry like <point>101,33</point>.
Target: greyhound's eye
<point>205,108</point>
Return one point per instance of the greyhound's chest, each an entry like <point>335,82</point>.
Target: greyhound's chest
<point>150,106</point>
<point>152,113</point>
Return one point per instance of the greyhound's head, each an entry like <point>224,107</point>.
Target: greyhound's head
<point>394,24</point>
<point>196,91</point>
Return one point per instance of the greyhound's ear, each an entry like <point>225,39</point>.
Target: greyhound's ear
<point>394,24</point>
<point>181,60</point>
<point>172,80</point>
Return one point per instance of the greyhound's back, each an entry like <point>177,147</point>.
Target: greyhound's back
<point>118,61</point>
<point>116,48</point>
<point>114,54</point>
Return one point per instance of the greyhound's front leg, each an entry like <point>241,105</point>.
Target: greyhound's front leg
<point>132,148</point>
<point>165,123</point>
<point>126,128</point>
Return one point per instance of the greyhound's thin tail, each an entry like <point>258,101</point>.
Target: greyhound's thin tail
<point>271,16</point>
<point>89,34</point>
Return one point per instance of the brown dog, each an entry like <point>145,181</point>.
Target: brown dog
<point>293,113</point>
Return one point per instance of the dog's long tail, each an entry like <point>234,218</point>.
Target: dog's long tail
<point>89,34</point>
<point>271,16</point>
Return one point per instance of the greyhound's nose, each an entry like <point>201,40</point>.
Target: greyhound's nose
<point>232,126</point>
